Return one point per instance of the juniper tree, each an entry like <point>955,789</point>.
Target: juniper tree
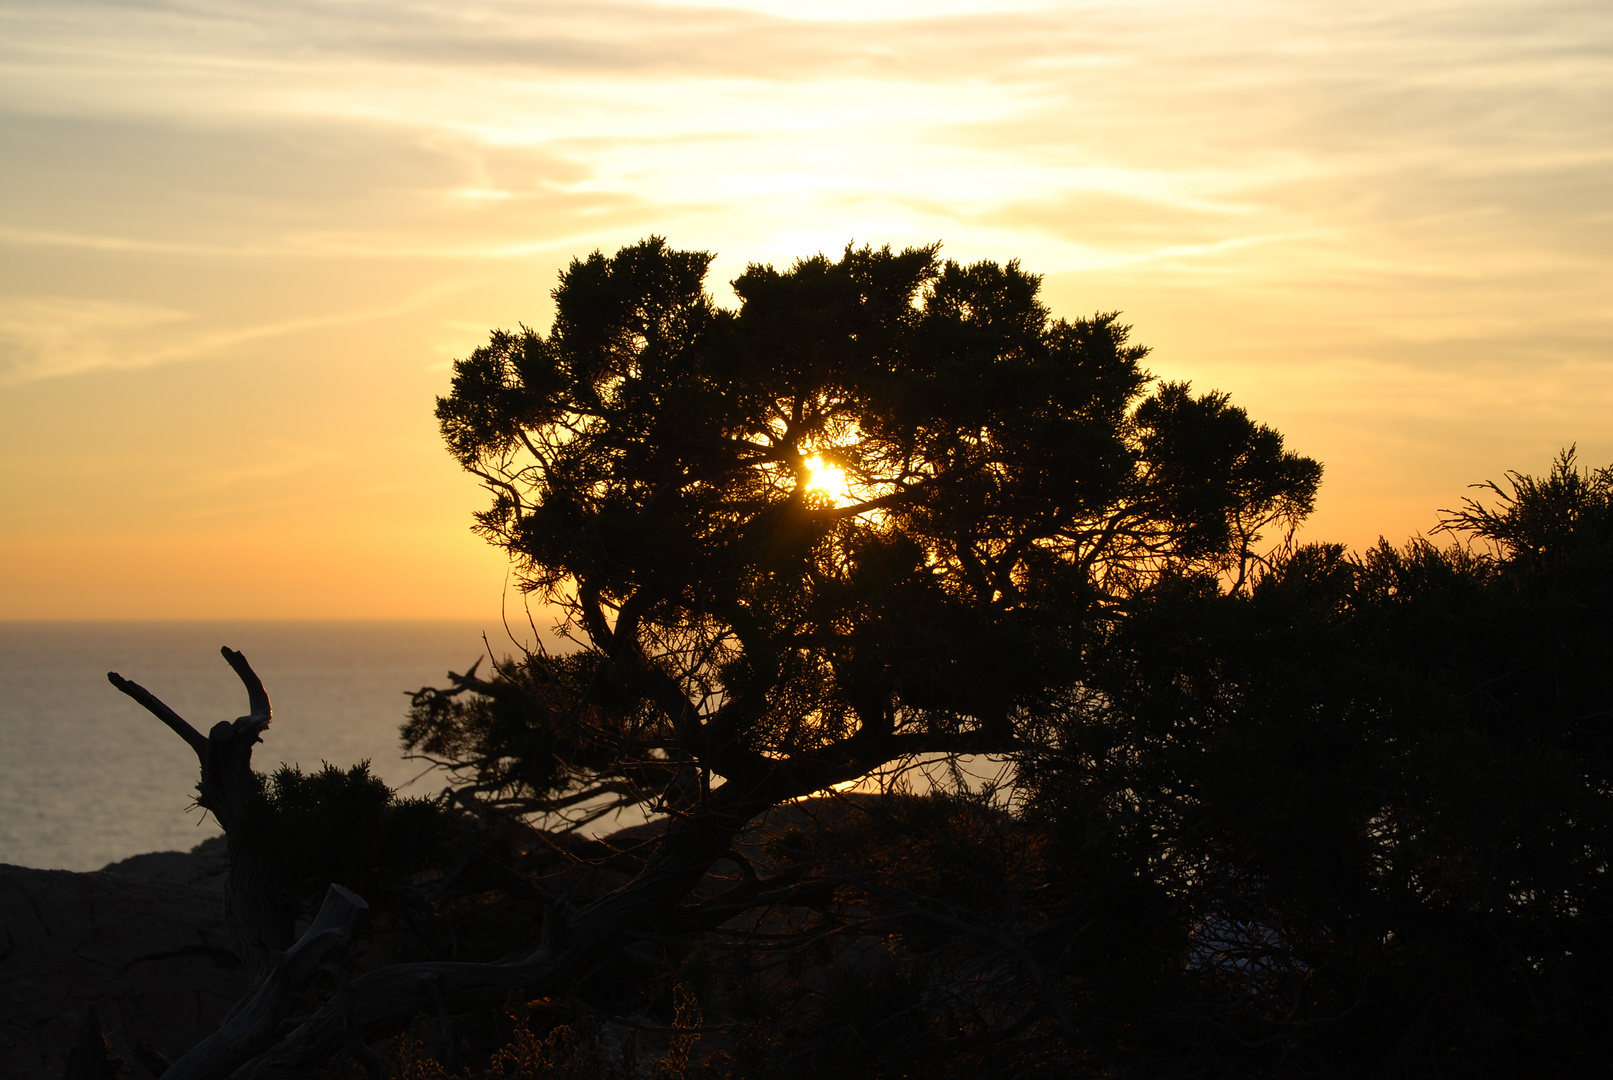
<point>879,510</point>
<point>886,507</point>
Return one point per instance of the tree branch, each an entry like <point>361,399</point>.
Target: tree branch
<point>257,697</point>
<point>158,708</point>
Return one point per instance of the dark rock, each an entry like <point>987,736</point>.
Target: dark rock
<point>143,945</point>
<point>136,944</point>
<point>204,867</point>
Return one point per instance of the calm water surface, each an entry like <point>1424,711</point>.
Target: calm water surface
<point>88,777</point>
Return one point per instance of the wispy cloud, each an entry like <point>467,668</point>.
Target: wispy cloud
<point>1262,107</point>
<point>1349,215</point>
<point>273,460</point>
<point>45,336</point>
<point>53,337</point>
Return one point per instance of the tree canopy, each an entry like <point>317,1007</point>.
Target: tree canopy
<point>1003,484</point>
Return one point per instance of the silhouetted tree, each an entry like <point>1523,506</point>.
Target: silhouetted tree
<point>1006,487</point>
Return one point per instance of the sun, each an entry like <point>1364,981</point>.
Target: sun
<point>827,478</point>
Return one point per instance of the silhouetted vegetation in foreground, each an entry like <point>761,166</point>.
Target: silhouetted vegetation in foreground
<point>1262,809</point>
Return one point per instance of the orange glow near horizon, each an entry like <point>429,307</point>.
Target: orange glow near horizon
<point>241,245</point>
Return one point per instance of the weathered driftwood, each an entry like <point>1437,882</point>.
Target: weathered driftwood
<point>255,1025</point>
<point>254,910</point>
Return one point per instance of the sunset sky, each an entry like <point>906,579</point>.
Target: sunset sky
<point>241,243</point>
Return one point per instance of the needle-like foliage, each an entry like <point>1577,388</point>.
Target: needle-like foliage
<point>1011,482</point>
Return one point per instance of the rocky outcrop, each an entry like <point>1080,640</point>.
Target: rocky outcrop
<point>205,867</point>
<point>143,943</point>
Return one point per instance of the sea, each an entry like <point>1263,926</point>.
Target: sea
<point>88,777</point>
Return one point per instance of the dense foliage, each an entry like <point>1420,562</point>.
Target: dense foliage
<point>1005,485</point>
<point>1375,792</point>
<point>344,825</point>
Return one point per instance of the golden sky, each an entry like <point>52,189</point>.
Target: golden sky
<point>240,243</point>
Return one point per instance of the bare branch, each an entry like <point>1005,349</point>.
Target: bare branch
<point>158,708</point>
<point>227,785</point>
<point>257,697</point>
